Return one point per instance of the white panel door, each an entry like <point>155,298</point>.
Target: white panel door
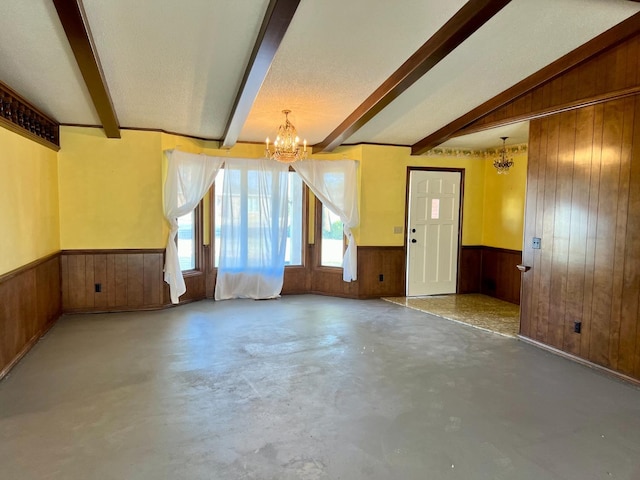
<point>432,236</point>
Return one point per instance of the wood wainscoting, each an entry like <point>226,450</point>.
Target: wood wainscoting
<point>112,280</point>
<point>380,274</point>
<point>121,280</point>
<point>491,271</point>
<point>30,303</point>
<point>130,280</point>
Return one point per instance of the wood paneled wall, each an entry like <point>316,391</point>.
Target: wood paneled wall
<point>583,200</point>
<point>30,303</point>
<point>491,271</point>
<point>128,279</point>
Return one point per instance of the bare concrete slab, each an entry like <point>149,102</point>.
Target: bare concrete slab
<point>310,388</point>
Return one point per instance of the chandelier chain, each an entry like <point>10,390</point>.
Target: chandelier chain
<point>504,162</point>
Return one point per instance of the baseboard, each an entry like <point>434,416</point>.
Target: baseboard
<point>582,361</point>
<point>28,346</point>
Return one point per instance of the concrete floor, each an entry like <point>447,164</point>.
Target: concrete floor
<point>307,388</point>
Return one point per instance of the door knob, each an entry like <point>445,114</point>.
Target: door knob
<point>413,240</point>
<point>413,230</point>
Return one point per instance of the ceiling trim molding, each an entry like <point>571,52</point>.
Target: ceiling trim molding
<point>274,26</point>
<point>602,42</point>
<point>461,26</point>
<point>482,153</point>
<point>76,27</point>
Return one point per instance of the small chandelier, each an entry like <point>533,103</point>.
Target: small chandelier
<point>503,163</point>
<point>286,148</point>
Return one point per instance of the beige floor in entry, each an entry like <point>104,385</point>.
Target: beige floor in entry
<point>473,309</point>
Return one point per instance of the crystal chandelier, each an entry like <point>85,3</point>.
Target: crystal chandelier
<point>286,148</point>
<point>503,163</point>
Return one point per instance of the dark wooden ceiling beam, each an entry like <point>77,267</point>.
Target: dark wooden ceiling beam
<point>605,40</point>
<point>76,27</point>
<point>274,25</point>
<point>461,26</point>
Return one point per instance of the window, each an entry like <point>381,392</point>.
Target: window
<point>294,245</point>
<point>331,238</point>
<point>186,239</point>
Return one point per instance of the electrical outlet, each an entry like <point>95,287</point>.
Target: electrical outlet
<point>536,243</point>
<point>577,327</point>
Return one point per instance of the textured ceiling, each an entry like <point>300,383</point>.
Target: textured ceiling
<point>174,65</point>
<point>334,55</point>
<point>37,62</point>
<point>178,65</point>
<point>521,39</point>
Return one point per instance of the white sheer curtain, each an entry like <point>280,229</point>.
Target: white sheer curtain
<point>334,182</point>
<point>189,176</point>
<point>253,233</point>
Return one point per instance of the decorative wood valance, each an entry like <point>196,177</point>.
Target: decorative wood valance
<point>21,117</point>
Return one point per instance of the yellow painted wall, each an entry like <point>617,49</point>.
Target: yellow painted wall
<point>504,204</point>
<point>110,190</point>
<point>384,187</point>
<point>29,219</point>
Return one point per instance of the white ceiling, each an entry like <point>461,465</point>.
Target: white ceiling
<point>177,65</point>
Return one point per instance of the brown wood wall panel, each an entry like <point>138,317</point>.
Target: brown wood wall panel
<point>135,280</point>
<point>608,73</point>
<point>470,269</point>
<point>129,280</point>
<point>99,277</point>
<point>296,280</point>
<point>561,226</point>
<point>592,224</point>
<point>387,262</point>
<point>121,277</point>
<point>629,345</point>
<point>578,228</point>
<point>30,302</point>
<point>195,283</point>
<point>583,199</point>
<point>152,283</point>
<point>500,275</point>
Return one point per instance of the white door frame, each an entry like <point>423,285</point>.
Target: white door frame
<point>461,171</point>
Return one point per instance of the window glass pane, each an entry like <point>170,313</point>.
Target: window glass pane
<point>187,241</point>
<point>332,239</point>
<point>435,208</point>
<point>293,253</point>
